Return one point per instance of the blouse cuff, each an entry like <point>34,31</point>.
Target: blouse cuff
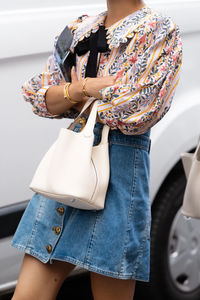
<point>106,93</point>
<point>42,102</point>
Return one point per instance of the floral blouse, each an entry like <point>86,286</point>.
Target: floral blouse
<point>145,54</point>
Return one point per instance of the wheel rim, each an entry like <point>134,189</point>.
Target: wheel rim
<point>184,253</point>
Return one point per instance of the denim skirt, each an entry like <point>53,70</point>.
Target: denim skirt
<point>115,241</point>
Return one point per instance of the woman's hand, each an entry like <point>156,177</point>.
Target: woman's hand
<point>76,87</point>
<point>93,85</point>
<point>57,104</point>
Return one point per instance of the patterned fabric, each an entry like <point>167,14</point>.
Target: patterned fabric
<point>146,55</point>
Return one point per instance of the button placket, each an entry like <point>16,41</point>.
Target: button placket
<point>49,248</point>
<point>57,229</point>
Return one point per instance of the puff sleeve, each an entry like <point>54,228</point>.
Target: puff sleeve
<point>34,89</point>
<point>142,95</point>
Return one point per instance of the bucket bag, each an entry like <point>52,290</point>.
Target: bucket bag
<point>73,171</point>
<point>191,201</point>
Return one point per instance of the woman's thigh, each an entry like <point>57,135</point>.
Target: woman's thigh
<point>107,288</point>
<point>40,281</point>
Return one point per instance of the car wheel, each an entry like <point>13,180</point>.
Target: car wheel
<point>175,249</point>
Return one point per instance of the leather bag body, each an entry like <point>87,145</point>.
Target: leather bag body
<point>191,201</point>
<point>73,171</point>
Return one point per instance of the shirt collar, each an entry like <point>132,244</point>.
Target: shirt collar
<point>116,33</point>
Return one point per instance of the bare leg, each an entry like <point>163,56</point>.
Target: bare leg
<point>39,281</point>
<point>108,288</point>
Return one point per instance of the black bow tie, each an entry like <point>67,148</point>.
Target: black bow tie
<point>95,43</point>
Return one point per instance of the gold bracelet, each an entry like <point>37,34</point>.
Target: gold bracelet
<point>84,89</point>
<point>66,93</point>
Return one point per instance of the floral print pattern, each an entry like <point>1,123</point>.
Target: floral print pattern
<point>145,54</point>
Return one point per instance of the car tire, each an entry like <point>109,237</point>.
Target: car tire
<point>164,283</point>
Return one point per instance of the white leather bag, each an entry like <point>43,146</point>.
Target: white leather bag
<point>191,201</point>
<point>73,171</point>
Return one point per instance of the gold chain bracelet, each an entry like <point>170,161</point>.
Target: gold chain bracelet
<point>84,88</point>
<point>66,93</point>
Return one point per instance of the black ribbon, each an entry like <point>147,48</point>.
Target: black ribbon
<point>96,43</point>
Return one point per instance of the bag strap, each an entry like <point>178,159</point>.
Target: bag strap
<point>87,104</point>
<point>104,136</point>
<point>89,127</point>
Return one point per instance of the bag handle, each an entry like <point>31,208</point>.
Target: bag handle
<point>89,127</point>
<point>86,105</point>
<point>104,136</point>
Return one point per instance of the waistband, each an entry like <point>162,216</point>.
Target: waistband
<point>117,137</point>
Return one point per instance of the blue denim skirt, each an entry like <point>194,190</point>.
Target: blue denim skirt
<point>115,241</point>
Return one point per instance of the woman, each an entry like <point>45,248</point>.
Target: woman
<point>136,79</point>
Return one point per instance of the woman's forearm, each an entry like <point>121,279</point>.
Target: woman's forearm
<point>55,101</point>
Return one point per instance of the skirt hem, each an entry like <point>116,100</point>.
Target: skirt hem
<point>81,264</point>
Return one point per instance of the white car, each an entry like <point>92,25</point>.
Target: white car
<point>27,31</point>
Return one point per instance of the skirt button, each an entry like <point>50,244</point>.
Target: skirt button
<point>49,248</point>
<point>57,230</point>
<point>60,210</point>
